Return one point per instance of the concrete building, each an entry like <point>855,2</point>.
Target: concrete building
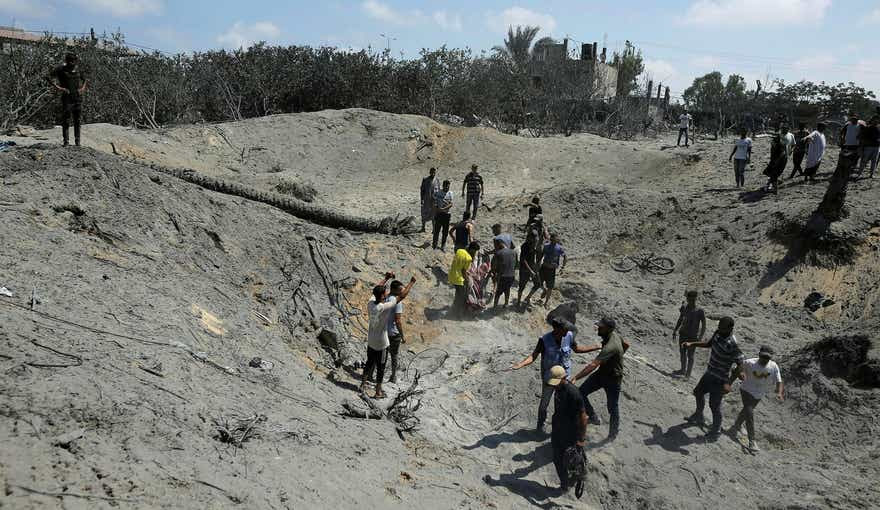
<point>553,61</point>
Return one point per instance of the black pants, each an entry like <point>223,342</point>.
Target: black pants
<point>441,229</point>
<point>715,388</point>
<point>687,358</point>
<point>375,359</point>
<point>70,109</point>
<point>560,444</point>
<point>393,349</point>
<point>472,199</point>
<point>459,303</point>
<point>612,399</point>
<point>682,131</point>
<point>797,158</point>
<point>747,414</point>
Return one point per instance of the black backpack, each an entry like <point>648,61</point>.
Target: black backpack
<point>576,466</point>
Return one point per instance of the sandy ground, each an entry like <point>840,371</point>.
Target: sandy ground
<point>162,281</point>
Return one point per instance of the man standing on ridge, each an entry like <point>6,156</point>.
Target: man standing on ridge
<point>380,308</point>
<point>473,187</point>
<point>607,374</point>
<point>442,208</point>
<point>741,154</point>
<point>430,187</point>
<point>759,375</point>
<point>70,82</point>
<point>691,327</point>
<point>718,377</point>
<point>684,123</point>
<point>554,348</point>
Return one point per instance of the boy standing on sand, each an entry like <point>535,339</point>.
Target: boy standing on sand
<point>691,327</point>
<point>741,154</point>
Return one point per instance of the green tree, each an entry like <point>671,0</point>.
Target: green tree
<point>518,44</point>
<point>629,65</point>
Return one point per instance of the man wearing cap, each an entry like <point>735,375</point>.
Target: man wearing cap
<point>607,374</point>
<point>379,308</point>
<point>554,348</point>
<point>472,187</point>
<point>691,327</point>
<point>758,375</point>
<point>718,377</point>
<point>70,82</point>
<point>569,420</point>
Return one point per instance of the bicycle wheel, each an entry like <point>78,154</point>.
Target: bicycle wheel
<point>661,265</point>
<point>624,264</point>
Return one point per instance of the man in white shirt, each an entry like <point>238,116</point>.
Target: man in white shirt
<point>684,122</point>
<point>788,142</point>
<point>759,376</point>
<point>741,155</point>
<point>815,151</point>
<point>380,308</point>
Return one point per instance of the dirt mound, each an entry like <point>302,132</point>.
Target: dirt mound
<point>840,357</point>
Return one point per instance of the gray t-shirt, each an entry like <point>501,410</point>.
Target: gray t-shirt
<point>392,322</point>
<point>506,262</point>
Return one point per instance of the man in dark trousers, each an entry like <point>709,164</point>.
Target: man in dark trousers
<point>442,208</point>
<point>554,348</point>
<point>70,82</point>
<point>691,327</point>
<point>569,421</point>
<point>473,188</point>
<point>718,377</point>
<point>607,374</point>
<point>430,186</point>
<point>800,149</point>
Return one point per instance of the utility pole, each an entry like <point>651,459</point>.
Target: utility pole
<point>388,40</point>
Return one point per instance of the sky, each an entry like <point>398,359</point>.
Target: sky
<point>818,40</point>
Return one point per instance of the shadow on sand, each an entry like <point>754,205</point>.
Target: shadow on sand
<point>535,493</point>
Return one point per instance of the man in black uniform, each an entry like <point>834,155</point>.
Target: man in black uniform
<point>69,81</point>
<point>569,421</point>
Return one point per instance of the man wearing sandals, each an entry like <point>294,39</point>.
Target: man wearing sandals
<point>380,308</point>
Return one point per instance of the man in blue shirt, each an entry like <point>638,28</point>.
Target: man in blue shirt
<point>554,348</point>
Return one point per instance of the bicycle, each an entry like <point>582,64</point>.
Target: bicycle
<point>651,263</point>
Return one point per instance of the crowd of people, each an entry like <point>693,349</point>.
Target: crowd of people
<point>538,260</point>
<point>859,142</point>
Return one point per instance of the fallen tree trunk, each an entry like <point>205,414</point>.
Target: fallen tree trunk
<point>298,208</point>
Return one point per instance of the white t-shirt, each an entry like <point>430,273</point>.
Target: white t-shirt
<point>788,142</point>
<point>392,323</point>
<point>684,120</point>
<point>760,380</point>
<point>742,148</point>
<point>816,149</point>
<point>377,335</point>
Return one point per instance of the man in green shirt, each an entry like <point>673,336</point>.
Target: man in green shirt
<point>605,372</point>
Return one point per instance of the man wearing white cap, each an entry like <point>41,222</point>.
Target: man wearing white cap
<point>759,375</point>
<point>569,420</point>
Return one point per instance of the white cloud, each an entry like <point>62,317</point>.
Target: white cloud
<point>819,62</point>
<point>384,12</point>
<point>25,8</point>
<point>705,62</point>
<point>241,35</point>
<point>872,18</point>
<point>448,21</point>
<point>168,38</point>
<point>659,69</point>
<point>738,13</point>
<point>499,22</point>
<point>122,8</point>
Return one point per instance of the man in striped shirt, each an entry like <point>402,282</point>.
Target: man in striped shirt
<point>718,377</point>
<point>473,184</point>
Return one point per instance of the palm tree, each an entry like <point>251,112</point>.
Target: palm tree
<point>518,43</point>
